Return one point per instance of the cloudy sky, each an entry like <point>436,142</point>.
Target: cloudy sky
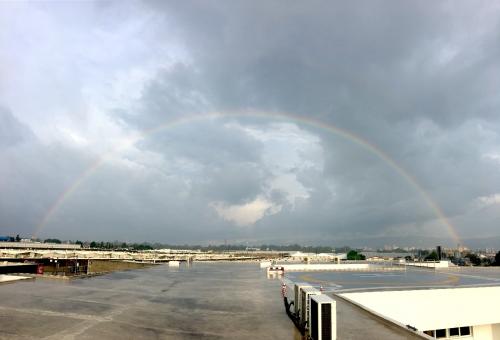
<point>250,121</point>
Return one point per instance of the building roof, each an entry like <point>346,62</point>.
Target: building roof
<point>36,245</point>
<point>429,309</point>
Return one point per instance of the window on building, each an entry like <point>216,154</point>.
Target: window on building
<point>440,333</point>
<point>430,333</point>
<point>450,332</point>
<point>454,331</point>
<point>465,331</point>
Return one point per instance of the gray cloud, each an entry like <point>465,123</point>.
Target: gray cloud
<point>418,81</point>
<point>12,132</point>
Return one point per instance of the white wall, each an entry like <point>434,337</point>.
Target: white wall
<point>440,264</point>
<point>496,331</point>
<point>329,266</point>
<point>482,332</point>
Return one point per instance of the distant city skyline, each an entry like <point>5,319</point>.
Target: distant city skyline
<point>199,122</point>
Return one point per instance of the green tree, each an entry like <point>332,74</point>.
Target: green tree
<point>486,262</point>
<point>474,259</point>
<point>354,255</point>
<point>52,240</point>
<point>432,256</point>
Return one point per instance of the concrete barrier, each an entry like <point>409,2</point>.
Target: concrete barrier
<point>436,264</point>
<point>324,267</point>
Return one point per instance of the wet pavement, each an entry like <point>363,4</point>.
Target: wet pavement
<point>400,279</point>
<point>204,301</point>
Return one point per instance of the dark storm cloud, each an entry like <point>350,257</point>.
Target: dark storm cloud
<point>378,70</point>
<point>417,80</point>
<point>330,59</point>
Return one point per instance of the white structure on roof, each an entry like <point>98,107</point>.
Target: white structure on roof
<point>265,264</point>
<point>453,313</point>
<point>303,267</point>
<point>429,264</point>
<point>322,318</point>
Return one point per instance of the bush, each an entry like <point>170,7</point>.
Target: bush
<point>354,255</point>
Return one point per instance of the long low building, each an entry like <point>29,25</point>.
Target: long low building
<point>37,245</point>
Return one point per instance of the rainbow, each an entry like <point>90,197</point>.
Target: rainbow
<point>68,192</point>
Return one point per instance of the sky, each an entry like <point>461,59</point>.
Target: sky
<point>205,122</point>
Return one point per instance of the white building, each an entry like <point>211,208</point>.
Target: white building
<point>450,313</point>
